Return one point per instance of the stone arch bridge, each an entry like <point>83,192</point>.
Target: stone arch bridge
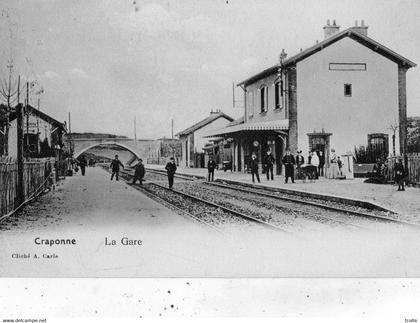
<point>140,148</point>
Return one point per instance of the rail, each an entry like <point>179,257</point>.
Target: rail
<point>228,210</point>
<point>335,206</point>
<point>341,209</point>
<point>211,204</point>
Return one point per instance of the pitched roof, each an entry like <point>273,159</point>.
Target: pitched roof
<point>349,32</point>
<point>251,126</point>
<point>236,121</point>
<point>212,117</point>
<point>41,115</point>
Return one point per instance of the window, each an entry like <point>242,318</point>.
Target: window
<point>250,104</point>
<point>347,90</point>
<point>278,98</point>
<point>263,98</point>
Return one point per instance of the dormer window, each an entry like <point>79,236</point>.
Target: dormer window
<point>264,98</point>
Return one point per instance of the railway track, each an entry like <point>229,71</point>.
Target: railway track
<point>163,173</point>
<point>338,208</point>
<point>204,211</point>
<point>283,216</point>
<point>283,208</point>
<point>215,207</point>
<point>176,209</point>
<point>335,208</point>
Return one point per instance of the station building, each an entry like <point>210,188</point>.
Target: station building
<point>193,142</point>
<point>43,136</point>
<point>337,94</point>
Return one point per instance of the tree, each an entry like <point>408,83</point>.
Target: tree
<point>394,128</point>
<point>9,93</point>
<point>3,119</point>
<point>360,155</point>
<point>413,135</point>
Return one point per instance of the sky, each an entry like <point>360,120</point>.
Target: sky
<point>110,61</point>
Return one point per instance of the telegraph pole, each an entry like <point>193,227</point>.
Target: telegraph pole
<point>172,128</point>
<point>233,95</point>
<point>71,148</point>
<point>27,93</point>
<point>20,164</point>
<point>9,90</point>
<point>38,150</point>
<point>135,130</point>
<point>18,90</point>
<point>27,120</point>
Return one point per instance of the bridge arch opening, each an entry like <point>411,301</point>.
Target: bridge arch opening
<point>110,144</point>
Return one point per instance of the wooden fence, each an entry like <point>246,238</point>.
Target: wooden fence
<point>413,167</point>
<point>36,174</point>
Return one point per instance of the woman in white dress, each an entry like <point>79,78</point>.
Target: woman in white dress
<point>315,162</point>
<point>333,170</point>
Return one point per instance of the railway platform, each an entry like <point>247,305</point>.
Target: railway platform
<point>406,204</point>
<point>93,227</point>
<point>120,232</point>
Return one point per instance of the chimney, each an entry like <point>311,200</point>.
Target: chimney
<point>362,29</point>
<point>330,30</point>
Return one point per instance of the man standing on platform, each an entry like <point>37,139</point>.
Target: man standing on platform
<point>82,163</point>
<point>211,165</point>
<point>399,174</point>
<point>254,168</point>
<point>269,163</point>
<point>115,167</point>
<point>139,172</point>
<point>171,169</point>
<point>289,163</point>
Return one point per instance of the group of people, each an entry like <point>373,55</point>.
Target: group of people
<point>315,165</point>
<point>140,171</point>
<point>82,162</point>
<point>268,165</point>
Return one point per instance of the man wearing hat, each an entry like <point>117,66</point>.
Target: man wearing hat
<point>171,169</point>
<point>139,172</point>
<point>254,168</point>
<point>269,165</point>
<point>289,163</point>
<point>211,166</point>
<point>115,167</point>
<point>400,174</point>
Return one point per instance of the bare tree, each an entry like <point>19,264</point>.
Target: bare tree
<point>9,87</point>
<point>9,94</point>
<point>393,127</point>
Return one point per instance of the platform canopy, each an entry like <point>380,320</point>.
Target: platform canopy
<point>250,126</point>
